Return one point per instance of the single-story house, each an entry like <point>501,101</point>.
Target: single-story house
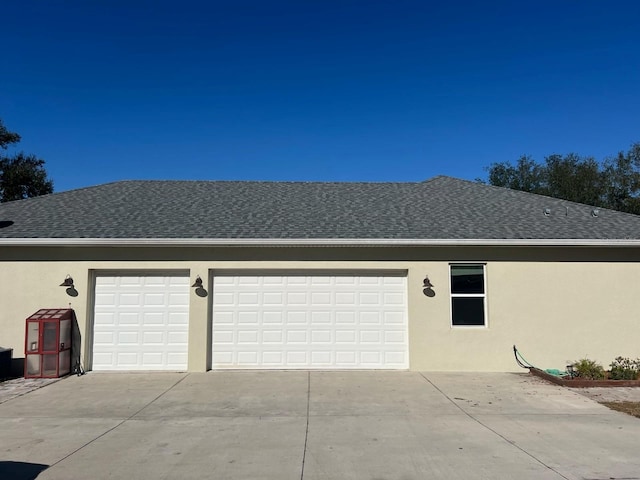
<point>442,275</point>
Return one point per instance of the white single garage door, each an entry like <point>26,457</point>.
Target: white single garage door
<point>141,323</point>
<point>310,321</point>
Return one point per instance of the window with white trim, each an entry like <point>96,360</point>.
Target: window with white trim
<point>468,295</point>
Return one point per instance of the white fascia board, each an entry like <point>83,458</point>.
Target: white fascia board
<point>310,242</point>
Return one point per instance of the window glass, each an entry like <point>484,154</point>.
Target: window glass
<point>467,279</point>
<point>467,295</point>
<point>468,310</point>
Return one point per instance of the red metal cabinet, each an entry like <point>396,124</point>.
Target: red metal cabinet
<point>47,346</point>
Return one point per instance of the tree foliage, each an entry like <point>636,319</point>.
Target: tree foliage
<point>613,183</point>
<point>21,175</point>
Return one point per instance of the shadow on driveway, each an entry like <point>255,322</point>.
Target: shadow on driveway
<point>21,470</point>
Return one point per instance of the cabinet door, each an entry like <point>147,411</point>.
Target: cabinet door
<point>33,337</point>
<point>50,336</point>
<point>33,367</point>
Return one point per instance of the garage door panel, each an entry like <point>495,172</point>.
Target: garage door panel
<point>273,298</point>
<point>297,336</point>
<point>297,358</point>
<point>179,299</point>
<point>273,358</point>
<point>128,338</point>
<point>103,338</point>
<point>128,299</point>
<point>222,337</point>
<point>155,299</point>
<point>321,299</point>
<point>370,358</point>
<point>248,318</point>
<point>316,321</point>
<point>296,318</point>
<point>153,338</point>
<point>320,281</point>
<point>346,318</point>
<point>345,336</point>
<point>273,336</point>
<point>346,358</point>
<point>273,318</point>
<point>127,360</point>
<point>345,298</point>
<point>177,338</point>
<point>248,337</point>
<point>141,323</point>
<point>398,337</point>
<point>176,360</point>
<point>222,358</point>
<point>179,320</point>
<point>393,299</point>
<point>370,336</point>
<point>148,318</point>
<point>322,358</point>
<point>248,358</point>
<point>320,318</point>
<point>103,358</point>
<point>225,298</point>
<point>322,336</point>
<point>397,318</point>
<point>152,359</point>
<point>105,298</point>
<point>105,318</point>
<point>250,298</point>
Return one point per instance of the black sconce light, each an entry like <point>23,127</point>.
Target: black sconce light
<point>200,290</point>
<point>427,287</point>
<point>70,288</point>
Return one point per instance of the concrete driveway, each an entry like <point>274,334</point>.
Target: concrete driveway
<point>313,425</point>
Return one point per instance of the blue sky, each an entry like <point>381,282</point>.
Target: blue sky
<point>322,90</point>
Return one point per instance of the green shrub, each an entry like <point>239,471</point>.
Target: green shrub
<point>588,369</point>
<point>625,369</point>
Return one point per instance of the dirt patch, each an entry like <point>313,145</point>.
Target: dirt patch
<point>630,408</point>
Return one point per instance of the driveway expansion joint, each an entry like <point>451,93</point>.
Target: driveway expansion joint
<point>510,442</point>
<point>118,424</point>
<point>306,433</point>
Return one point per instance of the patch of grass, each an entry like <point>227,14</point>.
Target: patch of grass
<point>630,408</point>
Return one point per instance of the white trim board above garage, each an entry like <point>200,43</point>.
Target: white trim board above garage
<point>309,320</point>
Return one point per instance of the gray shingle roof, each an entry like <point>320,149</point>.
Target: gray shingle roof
<point>440,208</point>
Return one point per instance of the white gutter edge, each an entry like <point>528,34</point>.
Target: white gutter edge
<point>316,242</point>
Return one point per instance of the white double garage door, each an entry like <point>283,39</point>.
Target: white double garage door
<point>263,320</point>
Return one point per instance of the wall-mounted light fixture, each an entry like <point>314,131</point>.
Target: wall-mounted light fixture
<point>427,287</point>
<point>70,288</point>
<point>200,290</point>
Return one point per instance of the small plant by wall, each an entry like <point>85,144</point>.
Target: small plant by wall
<point>625,369</point>
<point>588,369</point>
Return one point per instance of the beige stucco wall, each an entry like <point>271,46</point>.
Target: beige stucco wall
<point>556,305</point>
